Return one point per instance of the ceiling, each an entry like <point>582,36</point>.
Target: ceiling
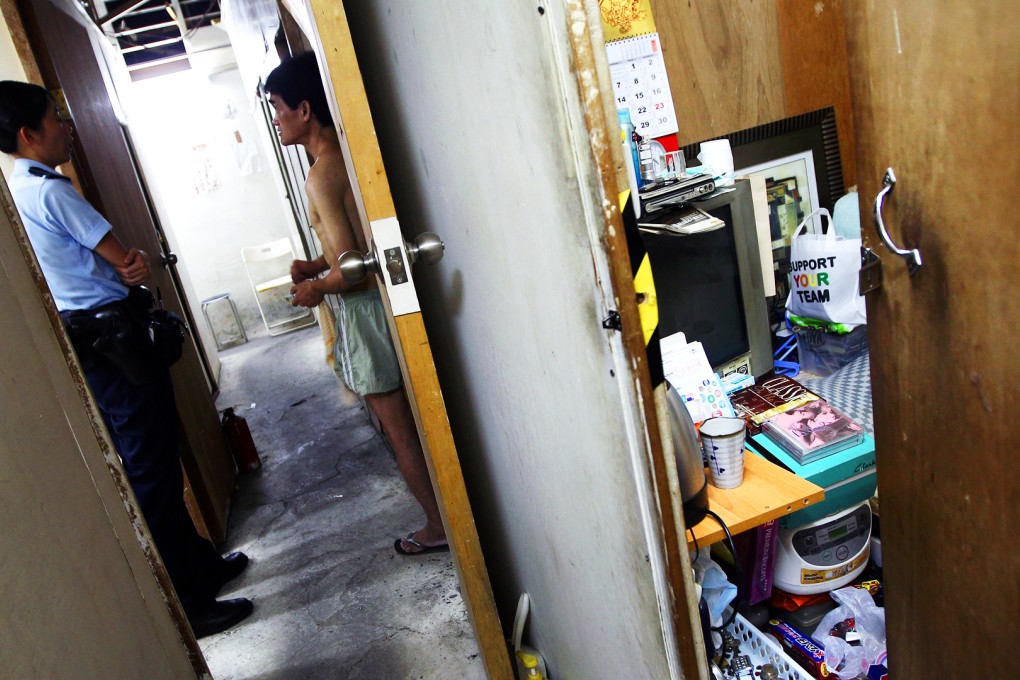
<point>153,35</point>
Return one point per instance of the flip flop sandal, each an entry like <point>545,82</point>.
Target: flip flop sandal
<point>423,549</point>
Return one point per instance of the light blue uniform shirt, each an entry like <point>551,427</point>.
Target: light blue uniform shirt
<point>63,229</point>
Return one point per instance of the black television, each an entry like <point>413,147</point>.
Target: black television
<point>808,141</point>
<point>709,285</point>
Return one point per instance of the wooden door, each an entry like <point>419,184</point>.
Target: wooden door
<point>936,97</point>
<point>361,152</point>
<point>108,177</point>
<point>494,135</point>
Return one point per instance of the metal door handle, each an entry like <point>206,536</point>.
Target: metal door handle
<point>168,259</point>
<point>913,257</point>
<point>354,266</point>
<point>427,247</point>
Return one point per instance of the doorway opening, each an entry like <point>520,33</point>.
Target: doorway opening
<point>217,181</point>
<point>320,517</point>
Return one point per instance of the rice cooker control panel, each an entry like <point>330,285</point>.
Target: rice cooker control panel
<point>834,542</point>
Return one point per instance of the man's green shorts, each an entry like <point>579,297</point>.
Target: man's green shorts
<point>363,355</point>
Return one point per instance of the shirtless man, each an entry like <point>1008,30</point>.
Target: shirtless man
<point>364,357</point>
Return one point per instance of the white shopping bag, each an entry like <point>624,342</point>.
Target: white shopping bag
<point>823,271</point>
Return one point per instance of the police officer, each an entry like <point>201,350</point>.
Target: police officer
<point>92,278</point>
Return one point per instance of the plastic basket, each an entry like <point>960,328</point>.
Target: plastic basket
<point>824,353</point>
<point>760,649</point>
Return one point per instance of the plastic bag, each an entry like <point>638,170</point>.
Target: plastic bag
<point>166,330</point>
<point>864,645</point>
<point>716,590</point>
<point>824,272</point>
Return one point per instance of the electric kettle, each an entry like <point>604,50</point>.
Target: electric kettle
<point>689,465</point>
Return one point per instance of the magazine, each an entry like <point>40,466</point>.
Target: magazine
<point>758,403</point>
<point>687,369</point>
<point>813,430</point>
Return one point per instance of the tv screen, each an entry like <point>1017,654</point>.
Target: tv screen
<point>709,284</point>
<point>697,282</point>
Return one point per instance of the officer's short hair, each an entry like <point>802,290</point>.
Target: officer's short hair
<point>297,80</point>
<point>21,105</point>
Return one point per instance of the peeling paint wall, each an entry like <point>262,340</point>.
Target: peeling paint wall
<point>78,594</point>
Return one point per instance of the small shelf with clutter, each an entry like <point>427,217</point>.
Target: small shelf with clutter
<point>767,492</point>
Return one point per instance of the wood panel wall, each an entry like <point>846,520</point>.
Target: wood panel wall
<point>814,57</point>
<point>734,65</point>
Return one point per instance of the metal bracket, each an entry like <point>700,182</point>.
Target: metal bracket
<point>870,277</point>
<point>612,321</point>
<point>395,266</point>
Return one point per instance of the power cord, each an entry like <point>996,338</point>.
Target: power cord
<point>736,569</point>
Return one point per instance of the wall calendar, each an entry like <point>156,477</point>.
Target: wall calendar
<point>640,84</point>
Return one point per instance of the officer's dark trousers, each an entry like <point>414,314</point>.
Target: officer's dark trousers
<point>143,425</point>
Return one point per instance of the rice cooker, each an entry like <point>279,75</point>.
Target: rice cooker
<point>825,554</point>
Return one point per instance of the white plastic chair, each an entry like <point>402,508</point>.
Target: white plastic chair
<point>268,269</point>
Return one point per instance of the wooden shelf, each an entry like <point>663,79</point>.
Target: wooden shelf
<point>767,492</point>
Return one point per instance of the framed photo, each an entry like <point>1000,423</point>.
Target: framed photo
<point>799,157</point>
<point>792,193</point>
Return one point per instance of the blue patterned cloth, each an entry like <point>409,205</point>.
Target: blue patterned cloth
<point>848,389</point>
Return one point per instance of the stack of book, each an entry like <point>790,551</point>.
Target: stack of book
<point>758,403</point>
<point>813,430</point>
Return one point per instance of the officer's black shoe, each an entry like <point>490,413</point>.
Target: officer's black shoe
<point>216,616</point>
<point>231,567</point>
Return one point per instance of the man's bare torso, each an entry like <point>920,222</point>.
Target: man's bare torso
<point>328,180</point>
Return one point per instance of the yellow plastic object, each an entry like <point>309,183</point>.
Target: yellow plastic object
<point>644,286</point>
<point>530,663</point>
<point>648,304</point>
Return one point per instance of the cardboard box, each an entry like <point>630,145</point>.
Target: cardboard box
<point>757,550</point>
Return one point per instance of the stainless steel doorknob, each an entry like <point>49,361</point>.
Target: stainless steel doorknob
<point>354,266</point>
<point>427,247</point>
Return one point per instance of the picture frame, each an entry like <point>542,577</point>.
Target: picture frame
<point>813,132</point>
<point>803,147</point>
<point>792,190</point>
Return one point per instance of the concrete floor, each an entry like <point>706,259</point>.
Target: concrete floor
<point>332,598</point>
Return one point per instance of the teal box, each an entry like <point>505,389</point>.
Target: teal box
<point>848,476</point>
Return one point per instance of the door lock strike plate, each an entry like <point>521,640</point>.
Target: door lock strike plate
<point>395,266</point>
<point>870,277</point>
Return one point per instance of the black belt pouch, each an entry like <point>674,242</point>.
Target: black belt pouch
<point>125,343</point>
<point>115,334</point>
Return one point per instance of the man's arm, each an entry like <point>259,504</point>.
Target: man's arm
<point>303,270</point>
<point>327,200</point>
<point>132,266</point>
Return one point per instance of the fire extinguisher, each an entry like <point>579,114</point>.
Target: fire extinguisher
<point>239,440</point>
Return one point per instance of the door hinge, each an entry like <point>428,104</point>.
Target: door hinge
<point>612,321</point>
<point>870,277</point>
